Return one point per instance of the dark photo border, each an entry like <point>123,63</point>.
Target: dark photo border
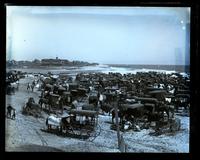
<point>194,72</point>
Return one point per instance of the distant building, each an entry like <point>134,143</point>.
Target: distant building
<point>56,62</point>
<point>47,62</point>
<point>36,61</point>
<point>51,62</point>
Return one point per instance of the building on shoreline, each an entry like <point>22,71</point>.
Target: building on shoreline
<point>47,62</point>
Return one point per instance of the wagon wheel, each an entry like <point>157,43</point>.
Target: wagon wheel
<point>70,129</point>
<point>79,131</point>
<point>76,130</point>
<point>90,133</point>
<point>94,133</point>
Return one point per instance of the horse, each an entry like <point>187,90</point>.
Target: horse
<point>167,109</point>
<point>31,104</point>
<point>15,85</point>
<point>53,120</point>
<point>43,101</point>
<point>153,117</point>
<point>32,86</point>
<point>58,122</point>
<point>11,112</point>
<point>65,121</point>
<point>106,107</point>
<point>30,101</point>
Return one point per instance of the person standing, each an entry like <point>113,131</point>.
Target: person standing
<point>28,87</point>
<point>9,110</point>
<point>14,113</point>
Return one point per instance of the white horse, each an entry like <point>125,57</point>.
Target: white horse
<point>15,84</point>
<point>59,123</point>
<point>53,121</point>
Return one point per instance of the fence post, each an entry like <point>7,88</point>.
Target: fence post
<point>117,123</point>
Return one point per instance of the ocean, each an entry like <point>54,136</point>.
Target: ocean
<point>106,68</point>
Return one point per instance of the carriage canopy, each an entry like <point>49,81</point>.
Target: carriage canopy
<point>132,106</point>
<point>158,92</point>
<point>152,100</point>
<point>84,112</point>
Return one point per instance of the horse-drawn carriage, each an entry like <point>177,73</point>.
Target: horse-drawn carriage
<point>75,123</point>
<point>32,108</point>
<point>182,101</point>
<point>9,88</point>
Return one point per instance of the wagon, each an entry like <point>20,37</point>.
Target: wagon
<point>109,96</point>
<point>153,89</point>
<point>61,90</point>
<point>161,91</point>
<point>150,106</point>
<point>136,110</point>
<point>73,86</point>
<point>182,96</point>
<point>132,106</point>
<point>88,114</point>
<point>82,91</point>
<point>54,98</point>
<point>82,123</point>
<point>93,99</point>
<point>159,94</point>
<point>67,97</point>
<point>76,124</point>
<point>181,91</point>
<point>48,87</point>
<point>145,100</point>
<point>74,94</point>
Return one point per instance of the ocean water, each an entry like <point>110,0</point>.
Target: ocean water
<point>123,69</point>
<point>129,69</point>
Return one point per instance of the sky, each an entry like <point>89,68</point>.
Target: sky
<point>106,35</point>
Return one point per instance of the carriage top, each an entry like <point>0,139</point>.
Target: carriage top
<point>158,92</point>
<point>84,112</point>
<point>132,106</point>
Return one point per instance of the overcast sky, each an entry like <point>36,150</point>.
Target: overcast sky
<point>123,35</point>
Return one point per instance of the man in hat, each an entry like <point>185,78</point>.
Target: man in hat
<point>9,109</point>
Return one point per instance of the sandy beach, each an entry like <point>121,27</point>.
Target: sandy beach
<point>25,133</point>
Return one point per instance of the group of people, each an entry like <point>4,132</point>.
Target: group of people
<point>11,112</point>
<point>31,86</point>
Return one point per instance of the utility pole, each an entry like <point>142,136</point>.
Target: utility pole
<point>116,119</point>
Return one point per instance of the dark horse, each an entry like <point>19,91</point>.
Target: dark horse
<point>9,110</point>
<point>106,107</point>
<point>165,108</point>
<point>44,101</point>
